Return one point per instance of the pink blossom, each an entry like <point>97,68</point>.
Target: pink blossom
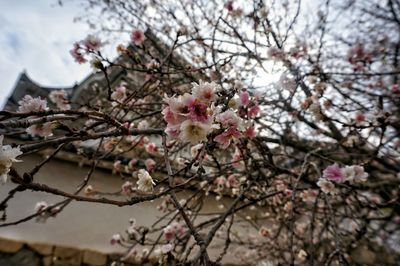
<point>395,88</point>
<point>205,91</point>
<point>244,98</point>
<point>116,239</point>
<point>224,139</point>
<point>298,51</point>
<point>173,131</point>
<point>119,95</point>
<point>150,164</point>
<point>236,159</point>
<point>264,232</point>
<point>29,104</point>
<point>137,37</point>
<point>77,54</point>
<point>228,118</point>
<point>308,195</point>
<point>360,174</point>
<point>229,6</point>
<point>169,116</point>
<point>359,118</point>
<point>250,132</point>
<point>41,130</point>
<point>254,111</point>
<point>173,230</point>
<point>126,125</point>
<point>117,166</point>
<point>92,43</point>
<point>358,54</point>
<point>127,188</point>
<point>220,181</point>
<point>132,163</point>
<point>177,110</point>
<point>334,173</point>
<point>198,111</point>
<point>169,233</point>
<point>232,181</point>
<point>151,148</point>
<point>60,98</point>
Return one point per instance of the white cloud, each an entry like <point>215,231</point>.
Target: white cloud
<point>37,36</point>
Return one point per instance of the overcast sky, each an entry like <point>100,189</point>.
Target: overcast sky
<point>37,36</point>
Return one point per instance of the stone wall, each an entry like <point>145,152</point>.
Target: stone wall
<point>18,253</point>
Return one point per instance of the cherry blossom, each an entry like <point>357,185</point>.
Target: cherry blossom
<point>326,186</point>
<point>127,188</point>
<point>205,91</point>
<point>150,164</point>
<point>167,248</point>
<point>119,95</point>
<point>8,155</point>
<point>92,43</point>
<point>355,173</point>
<point>29,104</point>
<point>244,98</point>
<point>116,239</point>
<point>334,173</point>
<point>151,148</point>
<point>250,132</point>
<point>224,139</point>
<point>137,37</point>
<point>41,130</point>
<point>40,206</point>
<point>232,181</point>
<point>60,98</point>
<point>194,132</point>
<point>254,111</point>
<point>117,166</point>
<point>194,150</point>
<point>173,230</point>
<point>229,118</point>
<point>77,54</point>
<point>145,181</point>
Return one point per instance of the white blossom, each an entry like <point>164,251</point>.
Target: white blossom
<point>193,131</point>
<point>41,130</point>
<point>326,186</point>
<point>145,182</point>
<point>40,206</point>
<point>205,91</point>
<point>29,104</point>
<point>7,157</point>
<point>60,98</point>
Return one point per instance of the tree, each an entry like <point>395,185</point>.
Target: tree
<point>291,109</point>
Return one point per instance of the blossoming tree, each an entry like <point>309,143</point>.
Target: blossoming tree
<point>279,110</point>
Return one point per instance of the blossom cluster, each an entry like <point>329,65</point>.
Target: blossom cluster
<point>8,155</point>
<point>334,173</point>
<point>145,183</point>
<point>192,117</point>
<point>29,104</point>
<point>89,44</point>
<point>60,98</point>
